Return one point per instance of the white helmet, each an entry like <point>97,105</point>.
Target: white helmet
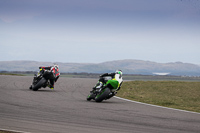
<point>56,66</point>
<point>118,72</point>
<point>118,75</point>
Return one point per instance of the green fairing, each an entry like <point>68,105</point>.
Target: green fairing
<point>114,83</point>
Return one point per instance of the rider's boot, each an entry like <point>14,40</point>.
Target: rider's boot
<point>51,86</point>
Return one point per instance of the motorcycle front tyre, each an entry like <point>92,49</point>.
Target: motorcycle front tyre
<point>90,96</point>
<point>102,95</point>
<point>39,84</point>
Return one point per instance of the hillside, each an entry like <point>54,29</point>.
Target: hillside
<point>128,67</point>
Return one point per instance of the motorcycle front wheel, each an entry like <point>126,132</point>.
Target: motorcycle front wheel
<point>90,96</point>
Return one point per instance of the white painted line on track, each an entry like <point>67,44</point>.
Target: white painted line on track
<point>8,130</point>
<point>156,105</point>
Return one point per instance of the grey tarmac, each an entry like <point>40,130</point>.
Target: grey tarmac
<point>66,110</point>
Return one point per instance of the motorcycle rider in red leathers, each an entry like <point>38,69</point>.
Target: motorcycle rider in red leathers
<point>54,69</point>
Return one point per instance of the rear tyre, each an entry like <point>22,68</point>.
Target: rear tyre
<point>102,95</point>
<point>39,84</point>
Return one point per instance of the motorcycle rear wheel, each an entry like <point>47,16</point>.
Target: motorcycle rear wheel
<point>102,95</point>
<point>39,84</point>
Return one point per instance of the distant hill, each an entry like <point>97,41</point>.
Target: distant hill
<point>127,66</point>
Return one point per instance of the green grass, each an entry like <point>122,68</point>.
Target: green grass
<point>173,94</point>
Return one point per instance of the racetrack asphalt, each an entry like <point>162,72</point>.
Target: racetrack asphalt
<point>66,110</point>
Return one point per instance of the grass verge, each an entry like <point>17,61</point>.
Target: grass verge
<point>173,94</point>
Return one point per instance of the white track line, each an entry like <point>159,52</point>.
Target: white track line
<point>8,130</point>
<point>156,105</point>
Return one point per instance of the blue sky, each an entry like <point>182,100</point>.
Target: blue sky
<point>94,31</point>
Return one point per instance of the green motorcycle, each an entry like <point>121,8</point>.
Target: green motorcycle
<point>106,91</point>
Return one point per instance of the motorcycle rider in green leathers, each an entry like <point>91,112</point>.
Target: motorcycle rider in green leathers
<point>116,82</point>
